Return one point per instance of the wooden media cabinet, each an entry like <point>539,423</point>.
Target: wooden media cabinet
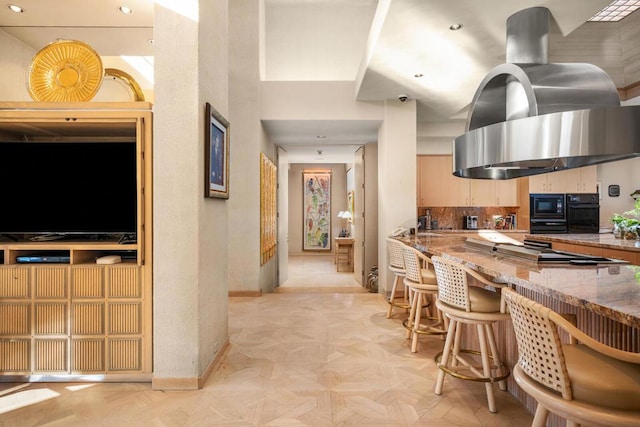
<point>79,320</point>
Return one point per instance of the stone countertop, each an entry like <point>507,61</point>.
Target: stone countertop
<point>612,291</point>
<point>597,240</point>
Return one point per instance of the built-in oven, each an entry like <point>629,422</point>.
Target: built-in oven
<point>583,213</point>
<point>547,213</point>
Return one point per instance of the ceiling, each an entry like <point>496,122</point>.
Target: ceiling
<point>380,45</point>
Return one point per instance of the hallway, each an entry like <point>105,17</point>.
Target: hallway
<point>318,273</point>
<point>314,359</point>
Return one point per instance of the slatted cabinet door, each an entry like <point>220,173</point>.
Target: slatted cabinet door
<point>50,319</point>
<point>15,320</point>
<point>125,337</point>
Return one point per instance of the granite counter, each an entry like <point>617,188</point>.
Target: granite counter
<point>611,291</point>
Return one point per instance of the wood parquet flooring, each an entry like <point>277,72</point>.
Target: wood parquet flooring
<point>294,359</point>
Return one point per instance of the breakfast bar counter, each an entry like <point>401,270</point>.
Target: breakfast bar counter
<point>609,290</point>
<point>603,300</point>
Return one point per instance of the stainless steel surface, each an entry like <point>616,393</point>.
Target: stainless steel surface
<point>539,254</point>
<point>549,88</point>
<point>470,222</point>
<point>532,118</point>
<point>527,36</point>
<point>548,143</point>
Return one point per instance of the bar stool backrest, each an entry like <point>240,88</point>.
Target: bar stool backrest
<point>396,258</point>
<point>539,344</point>
<point>453,288</point>
<point>413,264</point>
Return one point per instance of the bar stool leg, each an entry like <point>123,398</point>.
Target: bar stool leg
<point>392,297</point>
<point>412,313</point>
<point>446,354</point>
<point>486,367</point>
<point>416,323</point>
<point>496,356</point>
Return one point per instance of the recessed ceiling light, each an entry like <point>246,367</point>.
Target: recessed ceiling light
<point>455,27</point>
<point>616,11</point>
<point>418,75</point>
<point>126,10</point>
<point>15,8</point>
<point>151,41</point>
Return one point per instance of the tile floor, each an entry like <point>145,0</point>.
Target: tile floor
<point>301,358</point>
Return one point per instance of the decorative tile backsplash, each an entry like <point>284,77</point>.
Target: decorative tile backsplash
<point>451,218</point>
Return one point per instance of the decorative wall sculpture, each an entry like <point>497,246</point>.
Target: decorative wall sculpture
<point>268,209</point>
<point>316,201</point>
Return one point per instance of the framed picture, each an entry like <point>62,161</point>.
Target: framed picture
<point>316,199</point>
<point>216,154</point>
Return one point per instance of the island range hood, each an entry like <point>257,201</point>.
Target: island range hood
<point>530,117</point>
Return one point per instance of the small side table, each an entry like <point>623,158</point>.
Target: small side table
<point>344,252</point>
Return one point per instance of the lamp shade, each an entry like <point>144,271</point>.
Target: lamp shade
<point>346,214</point>
<point>341,214</point>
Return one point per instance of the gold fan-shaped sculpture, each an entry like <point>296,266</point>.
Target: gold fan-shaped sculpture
<point>128,80</point>
<point>65,71</point>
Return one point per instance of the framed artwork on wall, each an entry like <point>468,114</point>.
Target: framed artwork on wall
<point>216,154</point>
<point>268,208</point>
<point>316,199</point>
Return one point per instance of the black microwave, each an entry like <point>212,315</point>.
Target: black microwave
<point>547,213</point>
<point>547,207</point>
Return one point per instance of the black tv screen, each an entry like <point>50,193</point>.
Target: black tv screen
<point>68,187</point>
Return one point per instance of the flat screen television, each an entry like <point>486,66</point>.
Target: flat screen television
<point>68,188</point>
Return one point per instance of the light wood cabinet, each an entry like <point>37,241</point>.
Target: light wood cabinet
<point>438,187</point>
<point>630,256</point>
<point>579,180</point>
<point>80,317</point>
<point>507,192</point>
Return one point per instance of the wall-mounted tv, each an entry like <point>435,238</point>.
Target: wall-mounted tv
<point>74,188</point>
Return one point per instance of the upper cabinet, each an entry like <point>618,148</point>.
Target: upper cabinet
<point>438,187</point>
<point>579,180</point>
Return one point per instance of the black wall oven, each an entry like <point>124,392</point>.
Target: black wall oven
<point>547,213</point>
<point>583,213</point>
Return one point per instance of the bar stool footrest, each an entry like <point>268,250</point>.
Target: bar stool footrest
<point>454,371</point>
<point>426,329</point>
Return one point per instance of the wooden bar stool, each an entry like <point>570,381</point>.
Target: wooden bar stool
<point>469,305</point>
<point>422,285</point>
<point>396,266</point>
<point>588,383</point>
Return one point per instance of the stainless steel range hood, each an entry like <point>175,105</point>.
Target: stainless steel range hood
<point>529,117</point>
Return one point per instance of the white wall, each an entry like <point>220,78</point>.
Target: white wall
<point>15,59</point>
<point>626,174</point>
<point>316,41</point>
<point>315,101</point>
<point>396,177</point>
<point>338,201</point>
<point>248,140</point>
<point>190,232</point>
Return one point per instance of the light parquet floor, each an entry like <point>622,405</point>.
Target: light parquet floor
<point>318,271</point>
<point>294,359</point>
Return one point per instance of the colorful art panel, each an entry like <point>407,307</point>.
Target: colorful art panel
<point>316,233</point>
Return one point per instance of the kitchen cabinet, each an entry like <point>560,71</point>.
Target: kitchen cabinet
<point>579,180</point>
<point>482,192</point>
<point>630,256</point>
<point>507,192</point>
<point>437,186</point>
